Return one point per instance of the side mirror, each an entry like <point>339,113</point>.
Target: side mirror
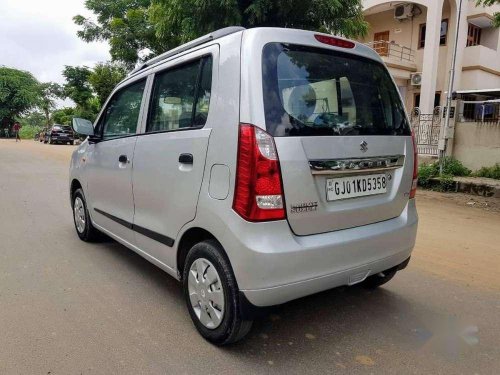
<point>82,126</point>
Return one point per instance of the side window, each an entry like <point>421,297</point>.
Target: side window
<point>181,97</point>
<point>122,113</point>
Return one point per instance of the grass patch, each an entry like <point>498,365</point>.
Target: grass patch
<point>489,172</point>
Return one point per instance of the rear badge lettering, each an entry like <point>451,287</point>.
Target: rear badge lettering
<point>304,207</point>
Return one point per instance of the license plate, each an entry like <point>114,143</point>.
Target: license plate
<point>355,186</point>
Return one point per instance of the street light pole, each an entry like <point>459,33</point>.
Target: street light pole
<point>442,153</point>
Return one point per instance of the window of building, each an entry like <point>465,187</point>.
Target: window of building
<point>473,35</point>
<point>469,108</point>
<point>437,100</point>
<point>181,97</point>
<point>443,34</point>
<point>421,36</point>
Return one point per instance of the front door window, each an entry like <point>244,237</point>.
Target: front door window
<point>122,113</point>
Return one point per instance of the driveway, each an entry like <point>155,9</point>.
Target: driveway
<point>69,307</point>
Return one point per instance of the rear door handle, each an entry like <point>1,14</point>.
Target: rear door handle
<point>186,158</point>
<point>123,159</point>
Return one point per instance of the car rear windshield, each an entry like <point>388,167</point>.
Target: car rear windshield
<point>314,92</point>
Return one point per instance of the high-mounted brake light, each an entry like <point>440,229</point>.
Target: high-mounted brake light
<point>258,193</point>
<point>414,182</point>
<point>332,41</point>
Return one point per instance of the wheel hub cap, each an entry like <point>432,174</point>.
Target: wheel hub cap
<point>206,294</point>
<point>79,212</point>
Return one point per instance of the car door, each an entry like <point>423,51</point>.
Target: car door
<point>109,164</point>
<point>169,158</point>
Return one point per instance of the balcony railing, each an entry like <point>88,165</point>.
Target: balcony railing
<point>393,51</point>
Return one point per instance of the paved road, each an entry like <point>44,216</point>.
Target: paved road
<point>68,307</point>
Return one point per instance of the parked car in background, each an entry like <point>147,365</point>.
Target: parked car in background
<point>59,134</point>
<point>255,166</point>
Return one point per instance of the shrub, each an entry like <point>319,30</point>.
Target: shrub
<point>489,172</point>
<point>451,167</point>
<point>426,172</point>
<point>29,131</point>
<point>454,167</point>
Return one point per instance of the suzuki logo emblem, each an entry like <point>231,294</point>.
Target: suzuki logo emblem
<point>363,146</point>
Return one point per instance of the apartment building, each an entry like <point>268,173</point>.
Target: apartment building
<point>416,38</point>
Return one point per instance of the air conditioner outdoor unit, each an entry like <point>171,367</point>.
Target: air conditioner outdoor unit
<point>416,79</point>
<point>403,11</point>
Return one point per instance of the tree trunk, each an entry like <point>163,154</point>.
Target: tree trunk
<point>47,116</point>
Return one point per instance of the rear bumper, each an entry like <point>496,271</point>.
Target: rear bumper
<point>61,139</point>
<point>273,266</point>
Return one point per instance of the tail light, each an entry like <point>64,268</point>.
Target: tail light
<point>332,41</point>
<point>413,190</point>
<point>258,194</point>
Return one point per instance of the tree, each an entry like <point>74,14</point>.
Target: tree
<point>182,20</point>
<point>487,3</point>
<point>49,92</point>
<point>34,119</point>
<point>104,78</point>
<point>125,24</point>
<point>77,86</point>
<point>19,92</point>
<point>63,116</point>
<point>132,26</point>
<point>79,89</point>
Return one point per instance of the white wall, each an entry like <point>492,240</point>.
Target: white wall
<point>489,38</point>
<point>478,79</point>
<point>477,145</point>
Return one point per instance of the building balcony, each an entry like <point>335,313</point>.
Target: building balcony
<point>481,58</point>
<point>395,55</point>
<point>482,16</point>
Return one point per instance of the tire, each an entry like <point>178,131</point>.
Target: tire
<point>85,229</point>
<point>225,328</point>
<point>374,281</point>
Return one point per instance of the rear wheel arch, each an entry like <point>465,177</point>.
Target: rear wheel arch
<point>190,238</point>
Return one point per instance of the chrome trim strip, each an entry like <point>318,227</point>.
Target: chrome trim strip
<point>356,165</point>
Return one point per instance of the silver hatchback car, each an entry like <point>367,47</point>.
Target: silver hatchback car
<point>256,167</point>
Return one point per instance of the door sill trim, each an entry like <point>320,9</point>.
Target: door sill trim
<point>141,230</point>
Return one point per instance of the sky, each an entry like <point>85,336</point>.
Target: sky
<point>39,36</point>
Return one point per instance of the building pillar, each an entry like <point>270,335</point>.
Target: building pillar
<point>431,56</point>
<point>461,43</point>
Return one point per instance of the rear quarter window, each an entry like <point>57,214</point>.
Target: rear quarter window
<point>313,91</point>
<point>181,97</point>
